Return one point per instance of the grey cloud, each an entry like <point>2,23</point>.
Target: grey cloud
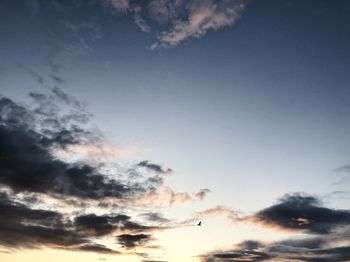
<point>303,212</point>
<point>302,249</point>
<point>133,240</point>
<point>326,238</point>
<point>58,80</point>
<point>155,217</point>
<point>345,168</point>
<point>28,164</point>
<point>31,173</point>
<point>154,167</point>
<point>95,225</point>
<point>97,248</point>
<point>23,227</point>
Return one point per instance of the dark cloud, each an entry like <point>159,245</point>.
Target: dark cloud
<point>33,175</point>
<point>303,212</point>
<point>133,240</point>
<point>27,163</point>
<point>310,243</point>
<point>97,248</point>
<point>155,217</point>
<point>154,167</point>
<point>102,225</point>
<point>306,250</point>
<point>250,245</point>
<point>247,252</point>
<point>246,255</point>
<point>309,249</point>
<point>327,233</point>
<point>21,226</point>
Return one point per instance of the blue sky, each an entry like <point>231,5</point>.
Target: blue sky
<point>251,102</point>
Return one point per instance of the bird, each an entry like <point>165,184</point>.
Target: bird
<point>200,223</point>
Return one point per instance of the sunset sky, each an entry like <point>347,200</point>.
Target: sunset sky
<point>123,123</point>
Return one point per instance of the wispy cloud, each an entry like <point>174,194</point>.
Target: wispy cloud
<point>227,212</point>
<point>201,16</point>
<point>174,21</point>
<point>32,73</point>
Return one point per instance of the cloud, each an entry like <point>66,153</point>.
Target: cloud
<point>131,241</point>
<point>183,19</point>
<point>33,74</point>
<point>323,233</point>
<point>201,194</point>
<point>46,201</point>
<point>98,248</point>
<point>153,216</point>
<point>171,22</point>
<point>94,225</point>
<point>312,249</point>
<point>201,16</point>
<point>29,165</point>
<point>345,175</point>
<point>164,196</point>
<point>95,153</point>
<point>139,20</point>
<point>345,168</point>
<point>24,227</point>
<point>164,10</point>
<point>154,167</point>
<point>245,251</point>
<point>229,213</point>
<point>304,213</point>
<point>21,227</point>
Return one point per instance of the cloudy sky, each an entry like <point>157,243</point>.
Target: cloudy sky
<point>123,123</point>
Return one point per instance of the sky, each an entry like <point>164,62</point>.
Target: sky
<point>123,123</point>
